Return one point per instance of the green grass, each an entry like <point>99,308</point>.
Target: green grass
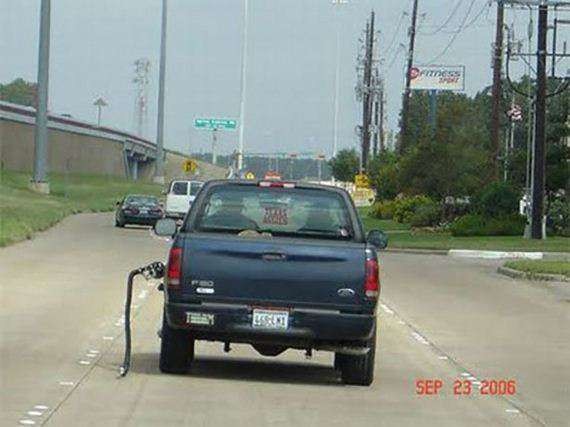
<point>538,267</point>
<point>402,237</point>
<point>23,212</point>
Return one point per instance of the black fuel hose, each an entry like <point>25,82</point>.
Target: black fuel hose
<point>154,270</point>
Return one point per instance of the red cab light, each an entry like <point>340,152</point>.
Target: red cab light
<point>277,184</point>
<point>174,271</point>
<point>372,278</point>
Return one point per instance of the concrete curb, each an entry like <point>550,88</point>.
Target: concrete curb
<point>464,253</point>
<point>517,274</point>
<point>417,251</point>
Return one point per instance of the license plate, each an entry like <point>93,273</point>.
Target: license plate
<point>270,319</point>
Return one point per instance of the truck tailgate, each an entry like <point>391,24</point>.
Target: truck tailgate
<point>278,271</point>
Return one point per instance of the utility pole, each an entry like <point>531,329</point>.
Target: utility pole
<point>407,91</point>
<point>337,5</point>
<point>381,124</point>
<point>99,103</point>
<point>243,88</point>
<point>214,146</point>
<point>159,171</point>
<point>496,91</point>
<point>39,182</point>
<point>539,163</point>
<point>367,95</point>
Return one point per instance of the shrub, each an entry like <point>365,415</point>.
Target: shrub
<point>559,216</point>
<point>383,210</point>
<point>478,225</point>
<point>508,225</point>
<point>426,215</point>
<point>497,199</point>
<point>406,207</point>
<point>468,225</point>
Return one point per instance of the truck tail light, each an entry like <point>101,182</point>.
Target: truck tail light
<point>372,278</point>
<point>174,268</point>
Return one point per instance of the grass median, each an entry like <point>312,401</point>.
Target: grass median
<point>23,212</point>
<point>541,267</point>
<point>401,236</point>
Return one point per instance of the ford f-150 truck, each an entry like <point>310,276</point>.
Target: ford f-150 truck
<point>277,265</point>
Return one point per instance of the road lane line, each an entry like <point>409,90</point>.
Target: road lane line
<point>517,406</point>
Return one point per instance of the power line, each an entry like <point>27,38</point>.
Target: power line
<point>396,32</point>
<point>454,37</point>
<point>447,21</point>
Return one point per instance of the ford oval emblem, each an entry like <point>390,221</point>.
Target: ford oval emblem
<point>346,292</point>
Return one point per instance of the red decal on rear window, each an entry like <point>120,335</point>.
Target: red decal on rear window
<point>275,216</point>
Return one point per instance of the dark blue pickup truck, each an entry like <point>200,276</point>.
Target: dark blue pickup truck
<point>276,265</point>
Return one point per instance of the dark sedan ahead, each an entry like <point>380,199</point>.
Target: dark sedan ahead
<point>138,209</point>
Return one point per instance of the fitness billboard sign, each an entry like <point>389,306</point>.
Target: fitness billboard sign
<point>438,77</point>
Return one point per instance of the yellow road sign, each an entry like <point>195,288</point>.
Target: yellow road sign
<point>249,175</point>
<point>189,166</point>
<point>361,180</point>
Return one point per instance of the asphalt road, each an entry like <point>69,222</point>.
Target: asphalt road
<point>441,318</point>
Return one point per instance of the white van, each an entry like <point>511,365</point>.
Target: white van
<point>181,193</point>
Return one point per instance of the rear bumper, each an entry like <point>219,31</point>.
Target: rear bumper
<point>307,327</point>
<point>175,215</point>
<point>141,220</point>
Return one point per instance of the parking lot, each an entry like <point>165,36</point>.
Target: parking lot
<point>440,319</point>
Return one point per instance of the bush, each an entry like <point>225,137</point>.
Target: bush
<point>468,225</point>
<point>559,216</point>
<point>478,225</point>
<point>406,207</point>
<point>509,225</point>
<point>497,199</point>
<point>383,210</point>
<point>426,215</point>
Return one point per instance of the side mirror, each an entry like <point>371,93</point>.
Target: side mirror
<point>165,227</point>
<point>378,239</point>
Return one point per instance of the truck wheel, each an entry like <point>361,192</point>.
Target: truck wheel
<point>338,361</point>
<point>358,370</point>
<point>176,349</point>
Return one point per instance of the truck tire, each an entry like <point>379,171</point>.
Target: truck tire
<point>176,349</point>
<point>358,370</point>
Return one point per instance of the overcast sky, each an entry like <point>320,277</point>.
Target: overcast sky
<point>291,61</point>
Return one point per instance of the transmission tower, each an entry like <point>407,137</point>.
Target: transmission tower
<point>141,81</point>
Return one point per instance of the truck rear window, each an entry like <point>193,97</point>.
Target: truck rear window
<point>293,212</point>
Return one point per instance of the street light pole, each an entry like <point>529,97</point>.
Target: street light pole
<point>336,5</point>
<point>243,86</point>
<point>159,171</point>
<point>39,181</point>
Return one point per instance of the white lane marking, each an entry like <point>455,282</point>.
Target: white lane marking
<point>465,374</point>
<point>512,411</point>
<point>420,338</point>
<point>472,378</point>
<point>386,309</point>
<point>91,355</point>
<point>66,383</point>
<point>84,362</point>
<point>27,422</point>
<point>94,351</point>
<point>35,413</point>
<point>401,322</point>
<point>41,407</point>
<point>442,357</point>
<point>108,338</point>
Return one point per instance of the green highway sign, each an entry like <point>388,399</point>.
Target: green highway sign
<point>210,124</point>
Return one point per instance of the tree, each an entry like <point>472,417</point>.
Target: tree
<point>20,92</point>
<point>384,175</point>
<point>345,165</point>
